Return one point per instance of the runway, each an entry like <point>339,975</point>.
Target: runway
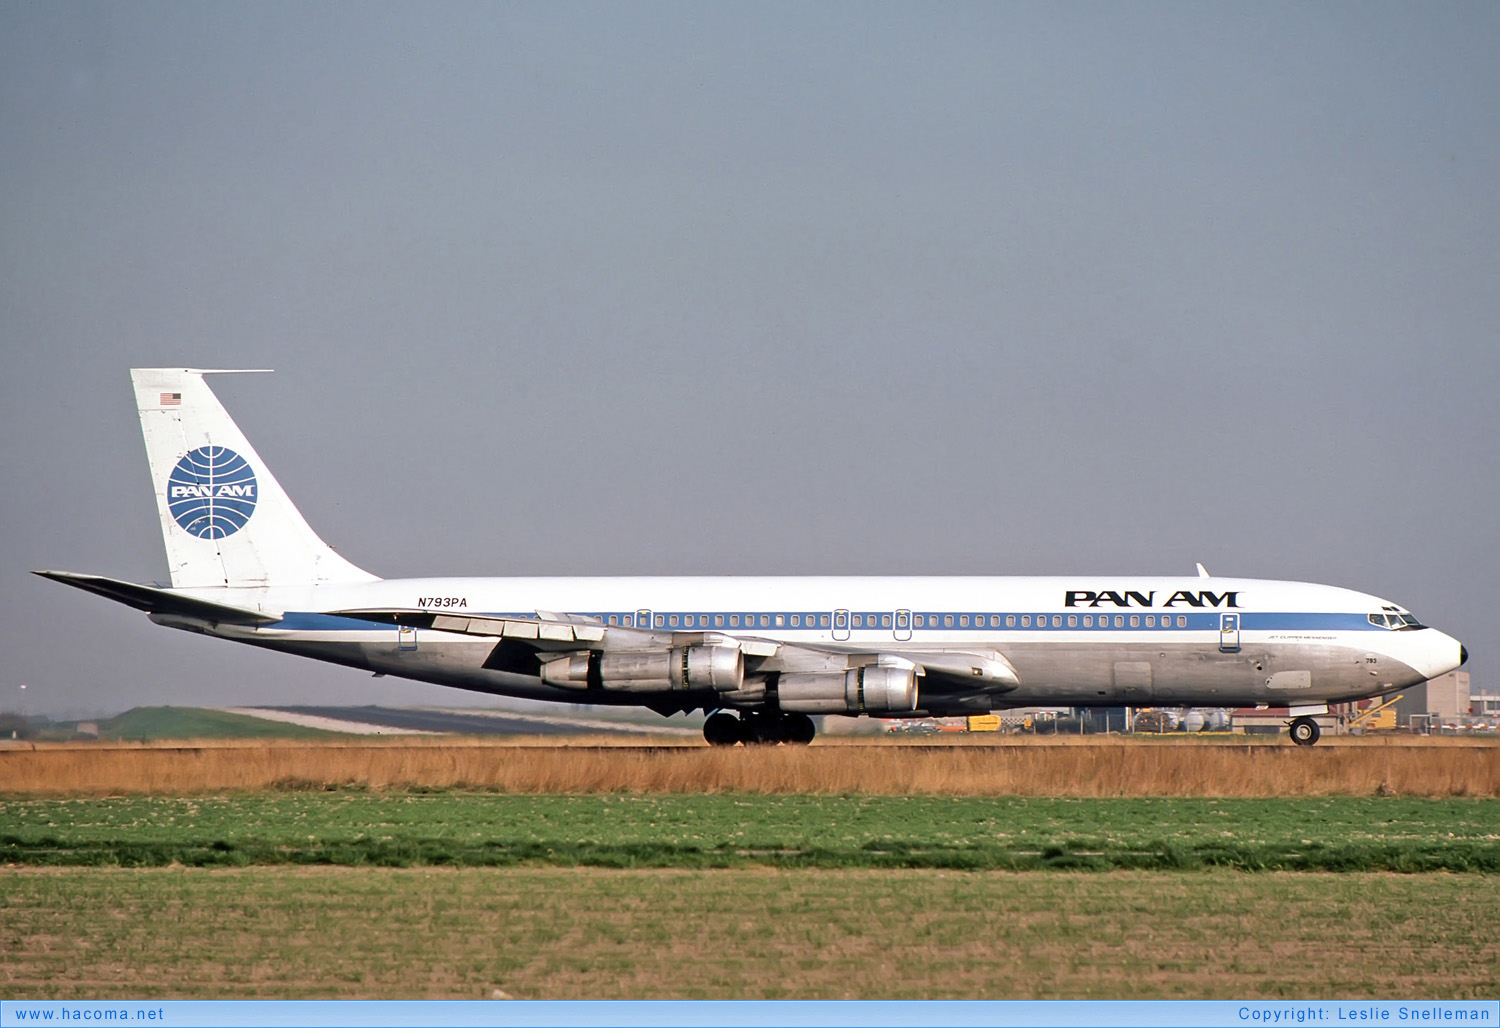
<point>375,720</point>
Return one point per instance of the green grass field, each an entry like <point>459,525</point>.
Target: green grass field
<point>149,724</point>
<point>155,724</point>
<point>458,893</point>
<point>571,933</point>
<point>471,829</point>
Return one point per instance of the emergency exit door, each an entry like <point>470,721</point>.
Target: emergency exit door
<point>1229,633</point>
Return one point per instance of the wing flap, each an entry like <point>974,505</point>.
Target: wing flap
<point>494,626</point>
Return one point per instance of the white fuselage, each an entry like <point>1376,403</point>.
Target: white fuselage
<point>1074,641</point>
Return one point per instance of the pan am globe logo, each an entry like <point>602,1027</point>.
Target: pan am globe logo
<point>211,492</point>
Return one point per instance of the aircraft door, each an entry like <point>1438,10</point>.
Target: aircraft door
<point>1229,633</point>
<point>406,638</point>
<point>903,625</point>
<point>643,619</point>
<point>841,625</point>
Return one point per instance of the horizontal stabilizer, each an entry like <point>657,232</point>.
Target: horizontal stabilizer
<point>160,601</point>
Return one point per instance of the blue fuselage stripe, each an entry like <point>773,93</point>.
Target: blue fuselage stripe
<point>930,622</point>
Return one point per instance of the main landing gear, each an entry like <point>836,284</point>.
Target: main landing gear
<point>758,728</point>
<point>1305,731</point>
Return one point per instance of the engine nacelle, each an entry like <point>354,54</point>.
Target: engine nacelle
<point>721,668</point>
<point>861,690</point>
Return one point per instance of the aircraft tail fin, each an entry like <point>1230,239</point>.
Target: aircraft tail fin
<point>225,519</point>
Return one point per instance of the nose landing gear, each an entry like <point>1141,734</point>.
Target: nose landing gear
<point>1305,731</point>
<point>754,728</point>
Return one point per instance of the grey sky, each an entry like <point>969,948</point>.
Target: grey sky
<point>784,289</point>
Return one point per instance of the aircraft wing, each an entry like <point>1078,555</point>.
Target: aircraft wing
<point>525,643</point>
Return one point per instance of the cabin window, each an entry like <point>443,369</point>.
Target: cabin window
<point>885,621</point>
<point>824,619</point>
<point>734,620</point>
<point>1010,621</point>
<point>1135,621</point>
<point>719,620</point>
<point>1181,620</point>
<point>1150,621</point>
<point>660,620</point>
<point>963,621</point>
<point>994,620</point>
<point>1088,621</point>
<point>1072,620</point>
<point>948,620</point>
<point>796,620</point>
<point>672,620</point>
<point>1119,621</point>
<point>1056,620</point>
<point>765,621</point>
<point>917,620</point>
<point>1025,620</point>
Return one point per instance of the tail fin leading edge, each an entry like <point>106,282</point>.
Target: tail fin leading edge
<point>225,519</point>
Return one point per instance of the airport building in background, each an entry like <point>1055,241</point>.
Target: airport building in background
<point>1447,697</point>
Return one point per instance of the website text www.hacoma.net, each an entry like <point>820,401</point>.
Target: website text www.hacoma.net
<point>69,1015</point>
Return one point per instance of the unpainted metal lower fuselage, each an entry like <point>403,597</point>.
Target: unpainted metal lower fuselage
<point>1293,644</point>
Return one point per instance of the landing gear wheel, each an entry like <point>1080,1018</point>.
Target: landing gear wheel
<point>1305,731</point>
<point>721,729</point>
<point>798,729</point>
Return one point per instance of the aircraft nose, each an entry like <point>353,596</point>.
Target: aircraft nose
<point>1463,654</point>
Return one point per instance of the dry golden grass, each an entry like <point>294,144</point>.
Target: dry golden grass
<point>1096,767</point>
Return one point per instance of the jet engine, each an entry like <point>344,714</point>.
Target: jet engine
<point>862,690</point>
<point>721,668</point>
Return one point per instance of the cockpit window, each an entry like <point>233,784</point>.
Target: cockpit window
<point>1377,619</point>
<point>1396,622</point>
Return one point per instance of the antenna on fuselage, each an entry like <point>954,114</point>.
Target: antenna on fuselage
<point>1202,571</point>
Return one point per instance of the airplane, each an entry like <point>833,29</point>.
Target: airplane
<point>758,655</point>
